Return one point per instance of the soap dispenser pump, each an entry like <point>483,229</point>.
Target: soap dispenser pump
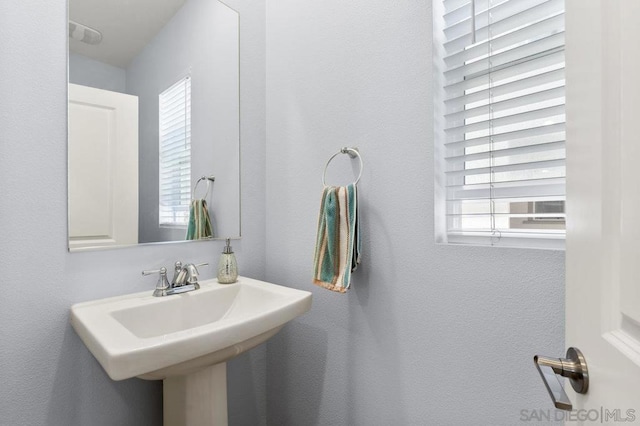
<point>227,267</point>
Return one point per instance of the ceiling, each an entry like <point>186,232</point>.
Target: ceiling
<point>126,26</point>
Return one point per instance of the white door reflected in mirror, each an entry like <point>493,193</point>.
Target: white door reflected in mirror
<point>103,168</point>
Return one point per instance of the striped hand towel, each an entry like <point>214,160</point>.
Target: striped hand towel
<point>337,252</point>
<point>199,221</point>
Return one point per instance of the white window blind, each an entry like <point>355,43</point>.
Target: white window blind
<point>503,140</point>
<point>175,154</point>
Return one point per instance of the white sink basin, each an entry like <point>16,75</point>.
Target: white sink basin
<point>160,337</point>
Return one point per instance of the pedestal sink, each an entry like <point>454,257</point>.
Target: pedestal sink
<point>185,339</point>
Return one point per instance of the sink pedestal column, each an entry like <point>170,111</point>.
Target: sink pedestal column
<point>196,399</point>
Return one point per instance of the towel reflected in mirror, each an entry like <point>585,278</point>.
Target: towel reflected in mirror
<point>199,221</point>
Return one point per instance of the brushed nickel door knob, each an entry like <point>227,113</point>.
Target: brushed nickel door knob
<point>574,367</point>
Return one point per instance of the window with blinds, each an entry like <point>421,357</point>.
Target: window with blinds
<point>503,136</point>
<point>175,154</point>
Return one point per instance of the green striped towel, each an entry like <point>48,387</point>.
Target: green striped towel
<point>337,252</point>
<point>199,221</point>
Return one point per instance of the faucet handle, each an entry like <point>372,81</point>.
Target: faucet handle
<point>192,272</point>
<point>195,267</point>
<point>189,275</point>
<point>155,271</point>
<point>163,283</point>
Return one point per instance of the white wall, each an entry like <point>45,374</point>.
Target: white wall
<point>48,377</point>
<point>430,334</point>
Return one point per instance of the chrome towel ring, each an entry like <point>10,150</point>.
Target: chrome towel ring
<point>353,153</point>
<point>208,179</point>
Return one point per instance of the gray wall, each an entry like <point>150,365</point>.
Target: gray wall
<point>47,375</point>
<point>92,73</point>
<point>429,334</point>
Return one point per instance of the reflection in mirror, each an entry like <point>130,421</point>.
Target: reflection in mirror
<point>154,122</point>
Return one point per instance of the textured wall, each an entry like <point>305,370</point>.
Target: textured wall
<point>430,334</point>
<point>47,375</point>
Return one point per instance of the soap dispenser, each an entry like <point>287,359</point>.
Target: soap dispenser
<point>227,267</point>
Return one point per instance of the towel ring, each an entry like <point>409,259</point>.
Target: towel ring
<point>353,153</point>
<point>208,179</point>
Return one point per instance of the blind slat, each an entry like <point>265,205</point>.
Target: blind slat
<point>508,152</point>
<point>178,141</point>
<point>531,165</point>
<point>458,132</point>
<point>174,119</point>
<point>544,130</point>
<point>512,215</point>
<point>541,62</point>
<point>513,56</point>
<point>485,235</point>
<point>458,103</point>
<point>499,25</point>
<point>530,32</point>
<point>180,177</point>
<point>169,159</point>
<point>532,97</point>
<point>175,102</point>
<point>489,17</point>
<point>455,15</point>
<point>545,187</point>
<point>483,206</point>
<point>450,5</point>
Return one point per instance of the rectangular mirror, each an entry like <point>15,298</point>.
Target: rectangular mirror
<point>154,122</point>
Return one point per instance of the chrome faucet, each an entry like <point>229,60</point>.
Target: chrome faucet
<point>185,278</point>
<point>186,275</point>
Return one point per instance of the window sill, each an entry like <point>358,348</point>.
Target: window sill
<point>171,226</point>
<point>523,242</point>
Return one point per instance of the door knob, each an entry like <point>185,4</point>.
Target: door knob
<point>574,367</point>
